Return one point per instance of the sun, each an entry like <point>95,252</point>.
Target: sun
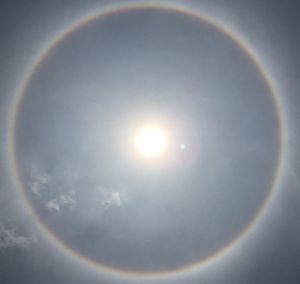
<point>151,142</point>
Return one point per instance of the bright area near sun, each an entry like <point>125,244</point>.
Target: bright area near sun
<point>151,142</point>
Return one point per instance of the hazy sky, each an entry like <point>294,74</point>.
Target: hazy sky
<point>89,187</point>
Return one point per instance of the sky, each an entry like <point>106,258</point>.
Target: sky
<point>79,204</point>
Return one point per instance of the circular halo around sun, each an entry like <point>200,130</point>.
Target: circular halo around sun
<point>151,142</point>
<point>160,152</point>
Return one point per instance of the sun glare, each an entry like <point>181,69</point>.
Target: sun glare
<point>151,142</point>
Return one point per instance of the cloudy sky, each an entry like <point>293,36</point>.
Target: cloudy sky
<point>80,204</point>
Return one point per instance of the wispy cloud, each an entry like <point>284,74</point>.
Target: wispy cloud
<point>53,205</point>
<point>9,238</point>
<point>114,199</point>
<point>42,184</point>
<point>64,201</point>
<point>61,191</point>
<point>39,180</point>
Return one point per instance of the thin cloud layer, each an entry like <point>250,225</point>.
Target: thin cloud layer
<point>9,238</point>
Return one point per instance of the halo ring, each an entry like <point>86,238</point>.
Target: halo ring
<point>17,103</point>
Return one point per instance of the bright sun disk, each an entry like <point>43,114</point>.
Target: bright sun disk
<point>151,142</point>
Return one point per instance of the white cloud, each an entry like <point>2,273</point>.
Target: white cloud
<point>39,180</point>
<point>43,182</point>
<point>53,205</point>
<point>10,239</point>
<point>64,201</point>
<point>114,199</point>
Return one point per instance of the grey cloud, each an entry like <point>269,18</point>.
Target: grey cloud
<point>9,238</point>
